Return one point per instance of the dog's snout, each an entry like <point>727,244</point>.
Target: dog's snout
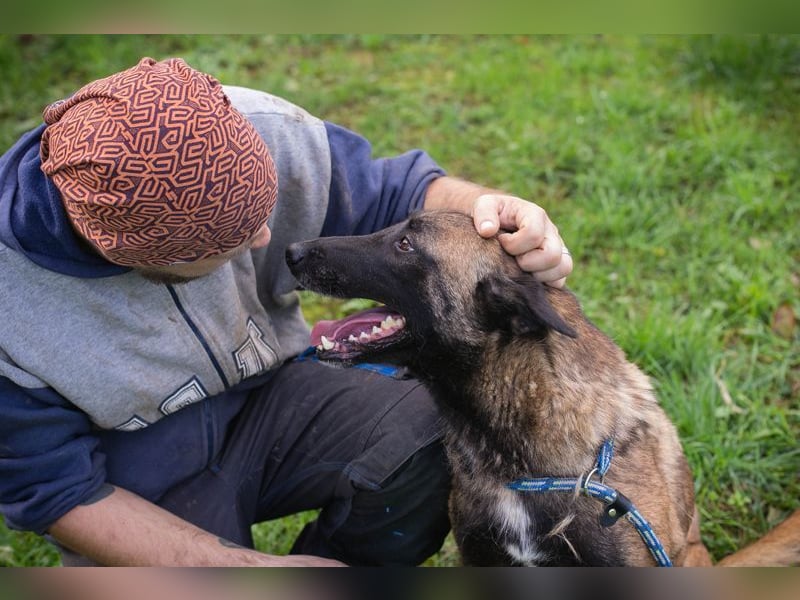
<point>300,251</point>
<point>295,254</point>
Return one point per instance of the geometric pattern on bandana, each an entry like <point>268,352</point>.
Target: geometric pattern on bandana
<point>156,167</point>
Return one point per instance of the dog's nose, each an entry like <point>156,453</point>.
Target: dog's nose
<point>295,253</point>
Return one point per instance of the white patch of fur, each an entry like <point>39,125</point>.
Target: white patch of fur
<point>512,514</point>
<point>523,556</point>
<point>515,523</point>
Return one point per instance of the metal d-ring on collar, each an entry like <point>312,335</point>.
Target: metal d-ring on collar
<point>617,504</point>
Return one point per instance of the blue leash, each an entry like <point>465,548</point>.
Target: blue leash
<point>617,504</point>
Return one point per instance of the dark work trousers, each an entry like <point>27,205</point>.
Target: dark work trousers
<point>363,447</point>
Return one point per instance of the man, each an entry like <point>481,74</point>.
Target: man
<point>152,408</point>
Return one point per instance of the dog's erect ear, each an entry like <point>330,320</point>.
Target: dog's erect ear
<point>519,305</point>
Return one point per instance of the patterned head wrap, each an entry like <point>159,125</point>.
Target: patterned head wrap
<point>156,167</point>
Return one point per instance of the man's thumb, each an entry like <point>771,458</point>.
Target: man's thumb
<point>485,216</point>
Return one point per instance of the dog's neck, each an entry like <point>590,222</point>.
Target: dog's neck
<point>533,407</point>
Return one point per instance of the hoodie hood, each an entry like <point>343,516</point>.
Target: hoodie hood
<point>33,220</point>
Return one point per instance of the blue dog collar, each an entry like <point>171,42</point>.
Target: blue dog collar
<point>616,504</point>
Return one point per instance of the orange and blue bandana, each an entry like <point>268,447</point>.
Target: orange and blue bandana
<point>156,167</point>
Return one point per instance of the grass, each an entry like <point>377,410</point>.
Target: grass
<point>669,164</point>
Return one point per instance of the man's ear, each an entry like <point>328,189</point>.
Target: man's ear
<point>519,305</point>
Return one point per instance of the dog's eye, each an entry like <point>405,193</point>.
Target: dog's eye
<point>404,245</point>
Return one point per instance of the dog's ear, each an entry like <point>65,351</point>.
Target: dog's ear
<point>519,305</point>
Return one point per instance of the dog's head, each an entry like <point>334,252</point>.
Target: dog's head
<point>444,288</point>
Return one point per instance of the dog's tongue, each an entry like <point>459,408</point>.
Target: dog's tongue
<point>353,325</point>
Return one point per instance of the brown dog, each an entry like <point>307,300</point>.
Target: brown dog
<point>529,389</point>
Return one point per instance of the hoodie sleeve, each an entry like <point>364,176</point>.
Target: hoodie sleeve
<point>48,462</point>
<point>369,194</point>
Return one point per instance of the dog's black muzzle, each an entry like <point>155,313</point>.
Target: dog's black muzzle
<point>363,266</point>
<point>298,252</point>
<point>334,266</point>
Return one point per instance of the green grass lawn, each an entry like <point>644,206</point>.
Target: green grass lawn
<point>670,165</point>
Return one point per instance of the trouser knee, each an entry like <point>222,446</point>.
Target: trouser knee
<point>401,522</point>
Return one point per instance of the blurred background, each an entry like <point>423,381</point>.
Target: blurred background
<point>670,164</point>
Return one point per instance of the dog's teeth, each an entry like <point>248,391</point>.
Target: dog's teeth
<point>400,322</point>
<point>364,337</point>
<point>352,338</point>
<point>319,347</point>
<point>387,323</point>
<point>327,344</point>
<point>375,330</point>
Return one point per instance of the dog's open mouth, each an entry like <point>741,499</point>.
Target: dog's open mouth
<point>366,331</point>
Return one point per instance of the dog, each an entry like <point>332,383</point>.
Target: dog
<point>530,391</point>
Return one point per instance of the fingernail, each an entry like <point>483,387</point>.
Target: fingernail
<point>486,225</point>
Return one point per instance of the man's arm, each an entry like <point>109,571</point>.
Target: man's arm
<point>532,237</point>
<point>121,528</point>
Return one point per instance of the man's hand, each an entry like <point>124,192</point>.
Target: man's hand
<point>529,234</point>
<point>532,237</point>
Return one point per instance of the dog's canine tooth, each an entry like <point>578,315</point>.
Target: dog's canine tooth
<point>327,344</point>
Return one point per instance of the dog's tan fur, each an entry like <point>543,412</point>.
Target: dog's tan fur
<point>533,390</point>
<point>569,394</point>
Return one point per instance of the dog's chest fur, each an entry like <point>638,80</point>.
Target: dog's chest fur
<point>481,502</point>
<point>498,526</point>
<point>503,425</point>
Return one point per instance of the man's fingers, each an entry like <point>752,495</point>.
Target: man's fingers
<point>557,276</point>
<point>550,263</point>
<point>533,232</point>
<point>536,246</point>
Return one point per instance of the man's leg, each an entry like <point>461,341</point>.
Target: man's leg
<point>363,447</point>
<point>401,521</point>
